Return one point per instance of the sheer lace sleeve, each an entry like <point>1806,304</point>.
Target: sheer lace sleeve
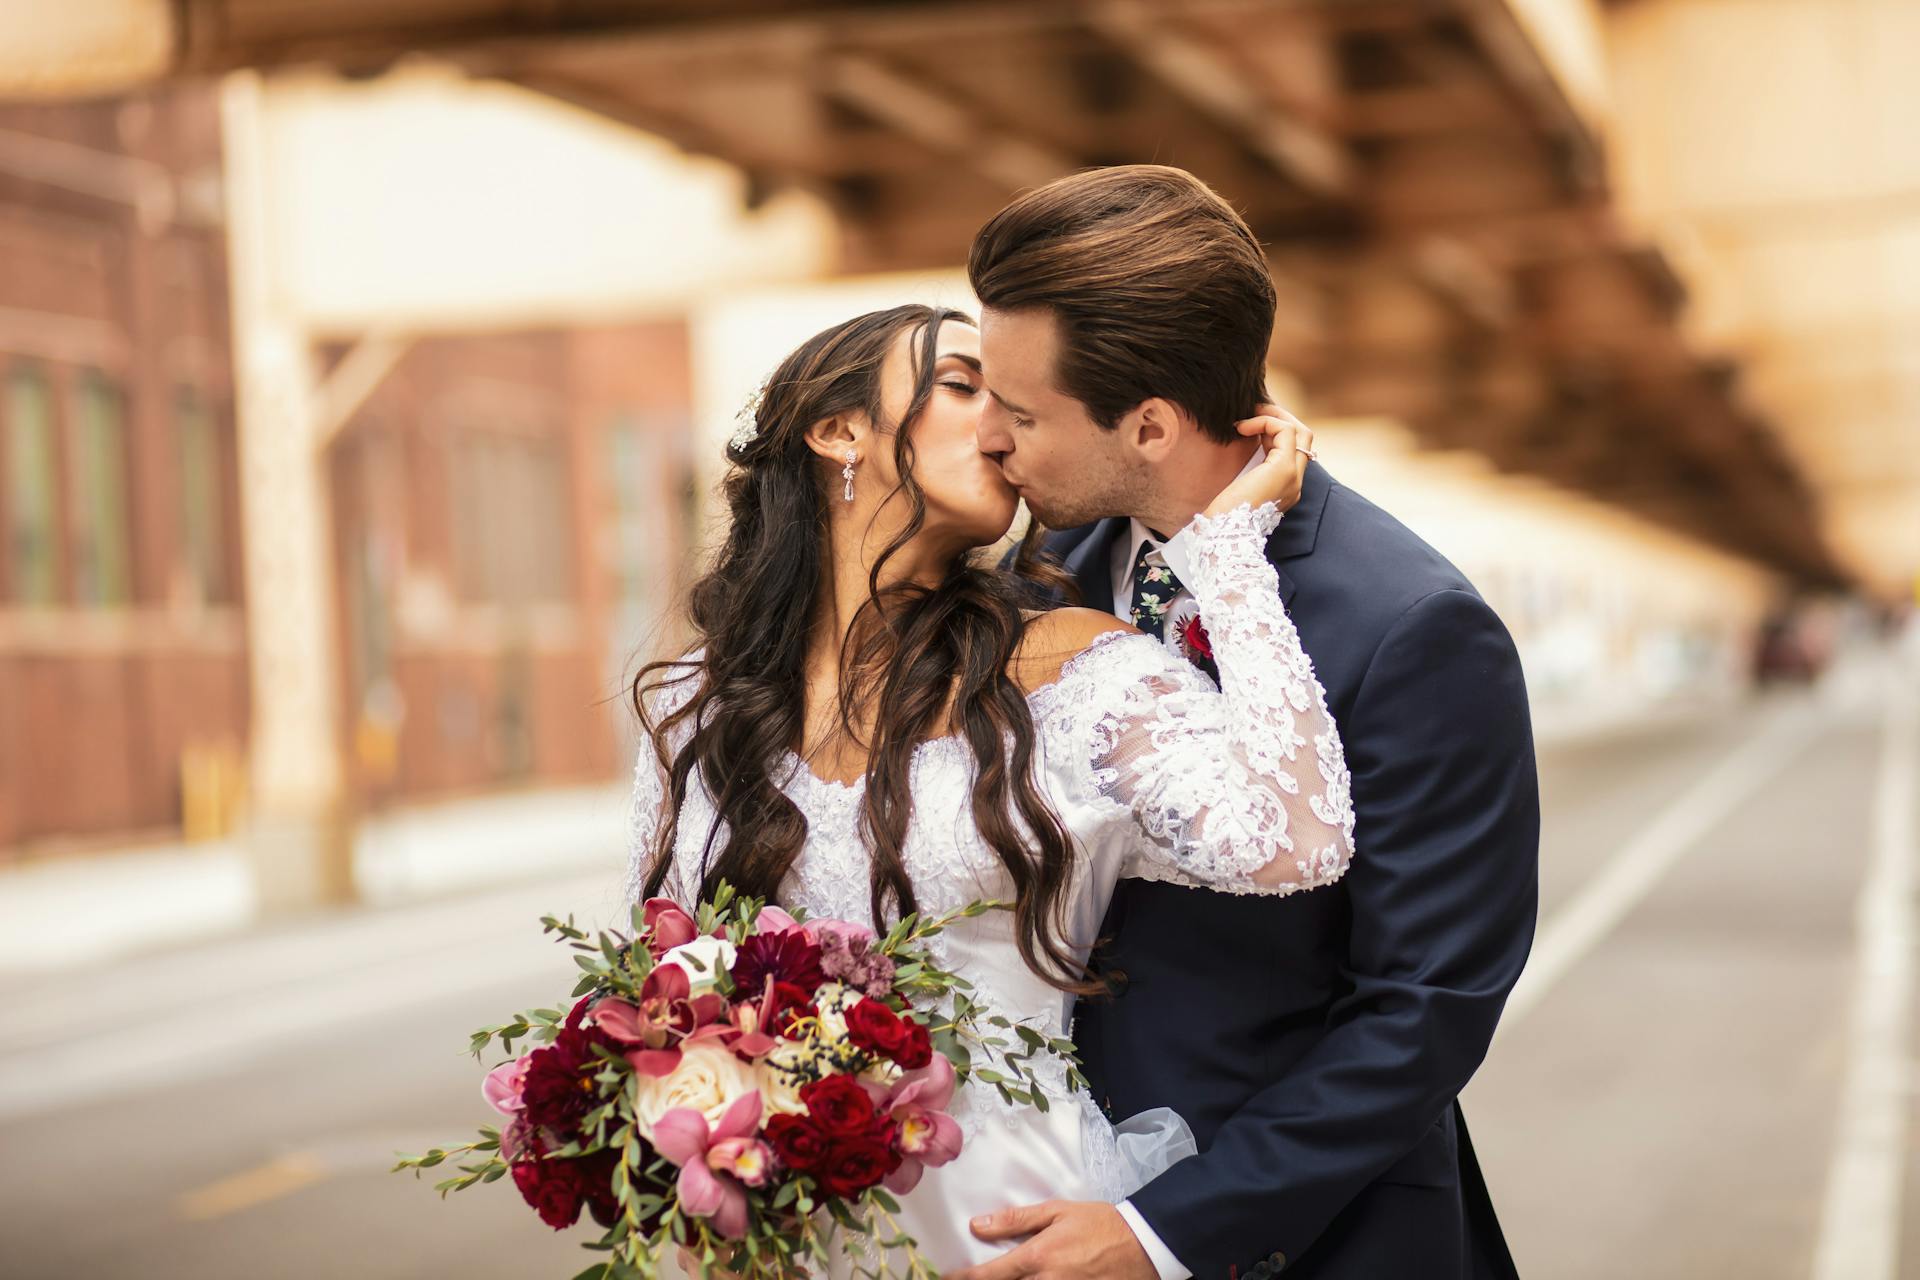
<point>1244,787</point>
<point>646,808</point>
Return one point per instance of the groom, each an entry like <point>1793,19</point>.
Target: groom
<point>1316,1043</point>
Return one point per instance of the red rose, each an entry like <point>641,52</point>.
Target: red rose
<point>918,1051</point>
<point>797,1141</point>
<point>854,1164</point>
<point>1193,634</point>
<point>877,1029</point>
<point>555,1189</point>
<point>839,1105</point>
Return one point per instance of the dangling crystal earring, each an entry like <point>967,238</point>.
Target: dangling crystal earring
<point>847,471</point>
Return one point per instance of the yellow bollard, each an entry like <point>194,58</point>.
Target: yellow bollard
<point>211,783</point>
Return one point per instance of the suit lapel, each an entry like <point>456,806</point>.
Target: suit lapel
<point>1091,564</point>
<point>1287,585</point>
<point>1300,528</point>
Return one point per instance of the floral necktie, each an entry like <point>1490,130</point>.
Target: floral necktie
<point>1160,610</point>
<point>1154,589</point>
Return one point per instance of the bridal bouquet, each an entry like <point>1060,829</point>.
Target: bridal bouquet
<point>738,1082</point>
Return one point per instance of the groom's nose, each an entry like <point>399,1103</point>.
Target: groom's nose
<point>992,435</point>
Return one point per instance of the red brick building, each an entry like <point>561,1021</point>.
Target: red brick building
<point>512,514</point>
<point>509,511</point>
<point>121,635</point>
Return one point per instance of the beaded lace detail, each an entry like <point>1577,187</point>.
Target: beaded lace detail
<point>1214,779</point>
<point>1138,748</point>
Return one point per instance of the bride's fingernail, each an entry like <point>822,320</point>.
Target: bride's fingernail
<point>983,1222</point>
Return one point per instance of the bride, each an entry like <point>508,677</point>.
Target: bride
<point>874,725</point>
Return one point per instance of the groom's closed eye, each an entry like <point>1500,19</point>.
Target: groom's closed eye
<point>1021,417</point>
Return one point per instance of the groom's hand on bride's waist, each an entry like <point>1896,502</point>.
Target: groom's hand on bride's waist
<point>1069,1240</point>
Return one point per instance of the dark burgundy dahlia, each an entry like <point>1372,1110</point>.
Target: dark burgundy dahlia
<point>559,1081</point>
<point>788,956</point>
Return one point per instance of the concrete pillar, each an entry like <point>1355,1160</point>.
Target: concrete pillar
<point>299,837</point>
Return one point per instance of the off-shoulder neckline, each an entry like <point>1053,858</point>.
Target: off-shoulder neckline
<point>1037,698</point>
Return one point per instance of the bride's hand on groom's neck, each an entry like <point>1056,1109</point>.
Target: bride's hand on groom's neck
<point>1282,474</point>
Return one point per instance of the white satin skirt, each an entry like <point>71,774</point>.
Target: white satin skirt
<point>1023,1156</point>
<point>1016,1157</point>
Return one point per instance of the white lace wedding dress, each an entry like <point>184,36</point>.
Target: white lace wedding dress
<point>1156,774</point>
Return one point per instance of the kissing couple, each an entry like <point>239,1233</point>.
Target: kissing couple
<point>1264,802</point>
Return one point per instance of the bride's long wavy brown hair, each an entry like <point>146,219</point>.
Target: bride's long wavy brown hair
<point>919,663</point>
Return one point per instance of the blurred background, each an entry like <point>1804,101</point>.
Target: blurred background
<point>364,369</point>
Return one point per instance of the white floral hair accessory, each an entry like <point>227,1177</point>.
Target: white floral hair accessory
<point>746,427</point>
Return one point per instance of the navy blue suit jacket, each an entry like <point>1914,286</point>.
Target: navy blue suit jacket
<point>1317,1043</point>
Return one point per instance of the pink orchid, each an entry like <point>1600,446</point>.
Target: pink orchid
<point>504,1086</point>
<point>749,1160</point>
<point>653,1027</point>
<point>928,1135</point>
<point>708,1007</point>
<point>713,1164</point>
<point>668,925</point>
<point>745,1031</point>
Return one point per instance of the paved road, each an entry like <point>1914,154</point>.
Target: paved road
<point>1714,1032</point>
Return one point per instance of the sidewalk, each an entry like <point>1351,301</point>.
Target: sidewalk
<point>107,904</point>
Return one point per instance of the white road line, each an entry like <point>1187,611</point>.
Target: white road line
<point>1860,1220</point>
<point>1631,873</point>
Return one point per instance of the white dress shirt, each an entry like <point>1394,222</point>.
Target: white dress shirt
<point>1171,554</point>
<point>1169,1267</point>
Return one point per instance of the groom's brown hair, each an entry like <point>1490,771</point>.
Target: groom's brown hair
<point>1159,288</point>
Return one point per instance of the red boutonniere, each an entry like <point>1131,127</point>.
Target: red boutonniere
<point>1194,638</point>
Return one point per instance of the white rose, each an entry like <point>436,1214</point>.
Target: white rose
<point>883,1073</point>
<point>779,1076</point>
<point>833,999</point>
<point>703,960</point>
<point>709,1079</point>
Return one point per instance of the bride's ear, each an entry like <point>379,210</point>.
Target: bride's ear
<point>836,433</point>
